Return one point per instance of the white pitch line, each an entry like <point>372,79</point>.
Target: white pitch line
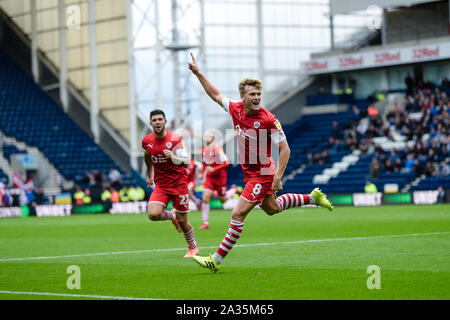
<point>74,295</point>
<point>238,245</point>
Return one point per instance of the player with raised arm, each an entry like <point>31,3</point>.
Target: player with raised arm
<point>214,172</point>
<point>166,159</point>
<point>255,128</point>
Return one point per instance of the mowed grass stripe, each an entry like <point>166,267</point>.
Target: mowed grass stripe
<point>238,245</point>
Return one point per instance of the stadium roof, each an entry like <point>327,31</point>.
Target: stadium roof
<point>346,6</point>
<point>111,48</point>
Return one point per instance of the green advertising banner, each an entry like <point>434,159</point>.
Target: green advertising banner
<point>392,198</point>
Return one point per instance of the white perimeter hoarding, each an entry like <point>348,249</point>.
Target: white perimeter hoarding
<point>377,58</point>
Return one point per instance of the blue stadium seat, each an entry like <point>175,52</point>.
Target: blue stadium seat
<point>30,115</point>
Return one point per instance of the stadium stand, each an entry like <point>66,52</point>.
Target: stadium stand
<point>3,177</point>
<point>408,147</point>
<point>31,116</point>
<point>10,149</point>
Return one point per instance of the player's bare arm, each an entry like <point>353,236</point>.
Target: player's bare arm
<point>283,159</point>
<point>210,89</point>
<point>148,162</point>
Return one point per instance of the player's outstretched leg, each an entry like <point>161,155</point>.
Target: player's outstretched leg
<point>320,199</point>
<point>291,200</point>
<point>241,210</point>
<point>207,262</point>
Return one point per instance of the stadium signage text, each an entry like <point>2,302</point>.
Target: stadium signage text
<point>53,210</point>
<point>12,212</point>
<point>377,58</point>
<point>425,197</point>
<point>425,53</point>
<point>128,207</point>
<point>316,66</point>
<point>384,57</point>
<point>367,199</point>
<point>350,62</point>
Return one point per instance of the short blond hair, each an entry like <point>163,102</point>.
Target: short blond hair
<point>249,82</point>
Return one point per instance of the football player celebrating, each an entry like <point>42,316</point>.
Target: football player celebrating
<point>166,159</point>
<point>255,128</point>
<point>214,172</point>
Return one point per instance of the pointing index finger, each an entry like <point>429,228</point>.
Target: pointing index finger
<point>193,58</point>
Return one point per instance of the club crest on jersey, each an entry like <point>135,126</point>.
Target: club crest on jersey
<point>169,144</point>
<point>256,124</point>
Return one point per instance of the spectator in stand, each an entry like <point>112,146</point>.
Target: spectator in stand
<point>123,192</point>
<point>418,168</point>
<point>39,195</point>
<point>374,171</point>
<point>429,169</point>
<point>322,91</point>
<point>441,195</point>
<point>444,169</point>
<point>323,157</point>
<point>98,178</point>
<point>87,196</point>
<point>389,166</point>
<point>409,164</point>
<point>132,194</point>
<point>310,158</point>
<point>115,178</point>
<point>370,187</point>
<point>372,111</point>
<point>106,197</point>
<point>356,113</point>
<point>398,164</point>
<point>445,83</point>
<point>336,132</point>
<point>78,196</point>
<point>115,196</point>
<point>409,84</point>
<point>88,179</point>
<point>140,193</point>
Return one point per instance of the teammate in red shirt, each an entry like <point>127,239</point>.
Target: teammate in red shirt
<point>166,159</point>
<point>191,170</point>
<point>256,128</point>
<point>215,164</point>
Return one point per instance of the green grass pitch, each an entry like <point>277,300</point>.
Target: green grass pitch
<point>306,253</point>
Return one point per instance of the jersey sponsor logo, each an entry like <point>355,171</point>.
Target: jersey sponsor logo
<point>169,144</point>
<point>256,124</point>
<point>159,158</point>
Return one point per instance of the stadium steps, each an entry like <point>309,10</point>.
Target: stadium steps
<point>5,168</point>
<point>54,181</point>
<point>337,168</point>
<point>29,114</point>
<point>432,183</point>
